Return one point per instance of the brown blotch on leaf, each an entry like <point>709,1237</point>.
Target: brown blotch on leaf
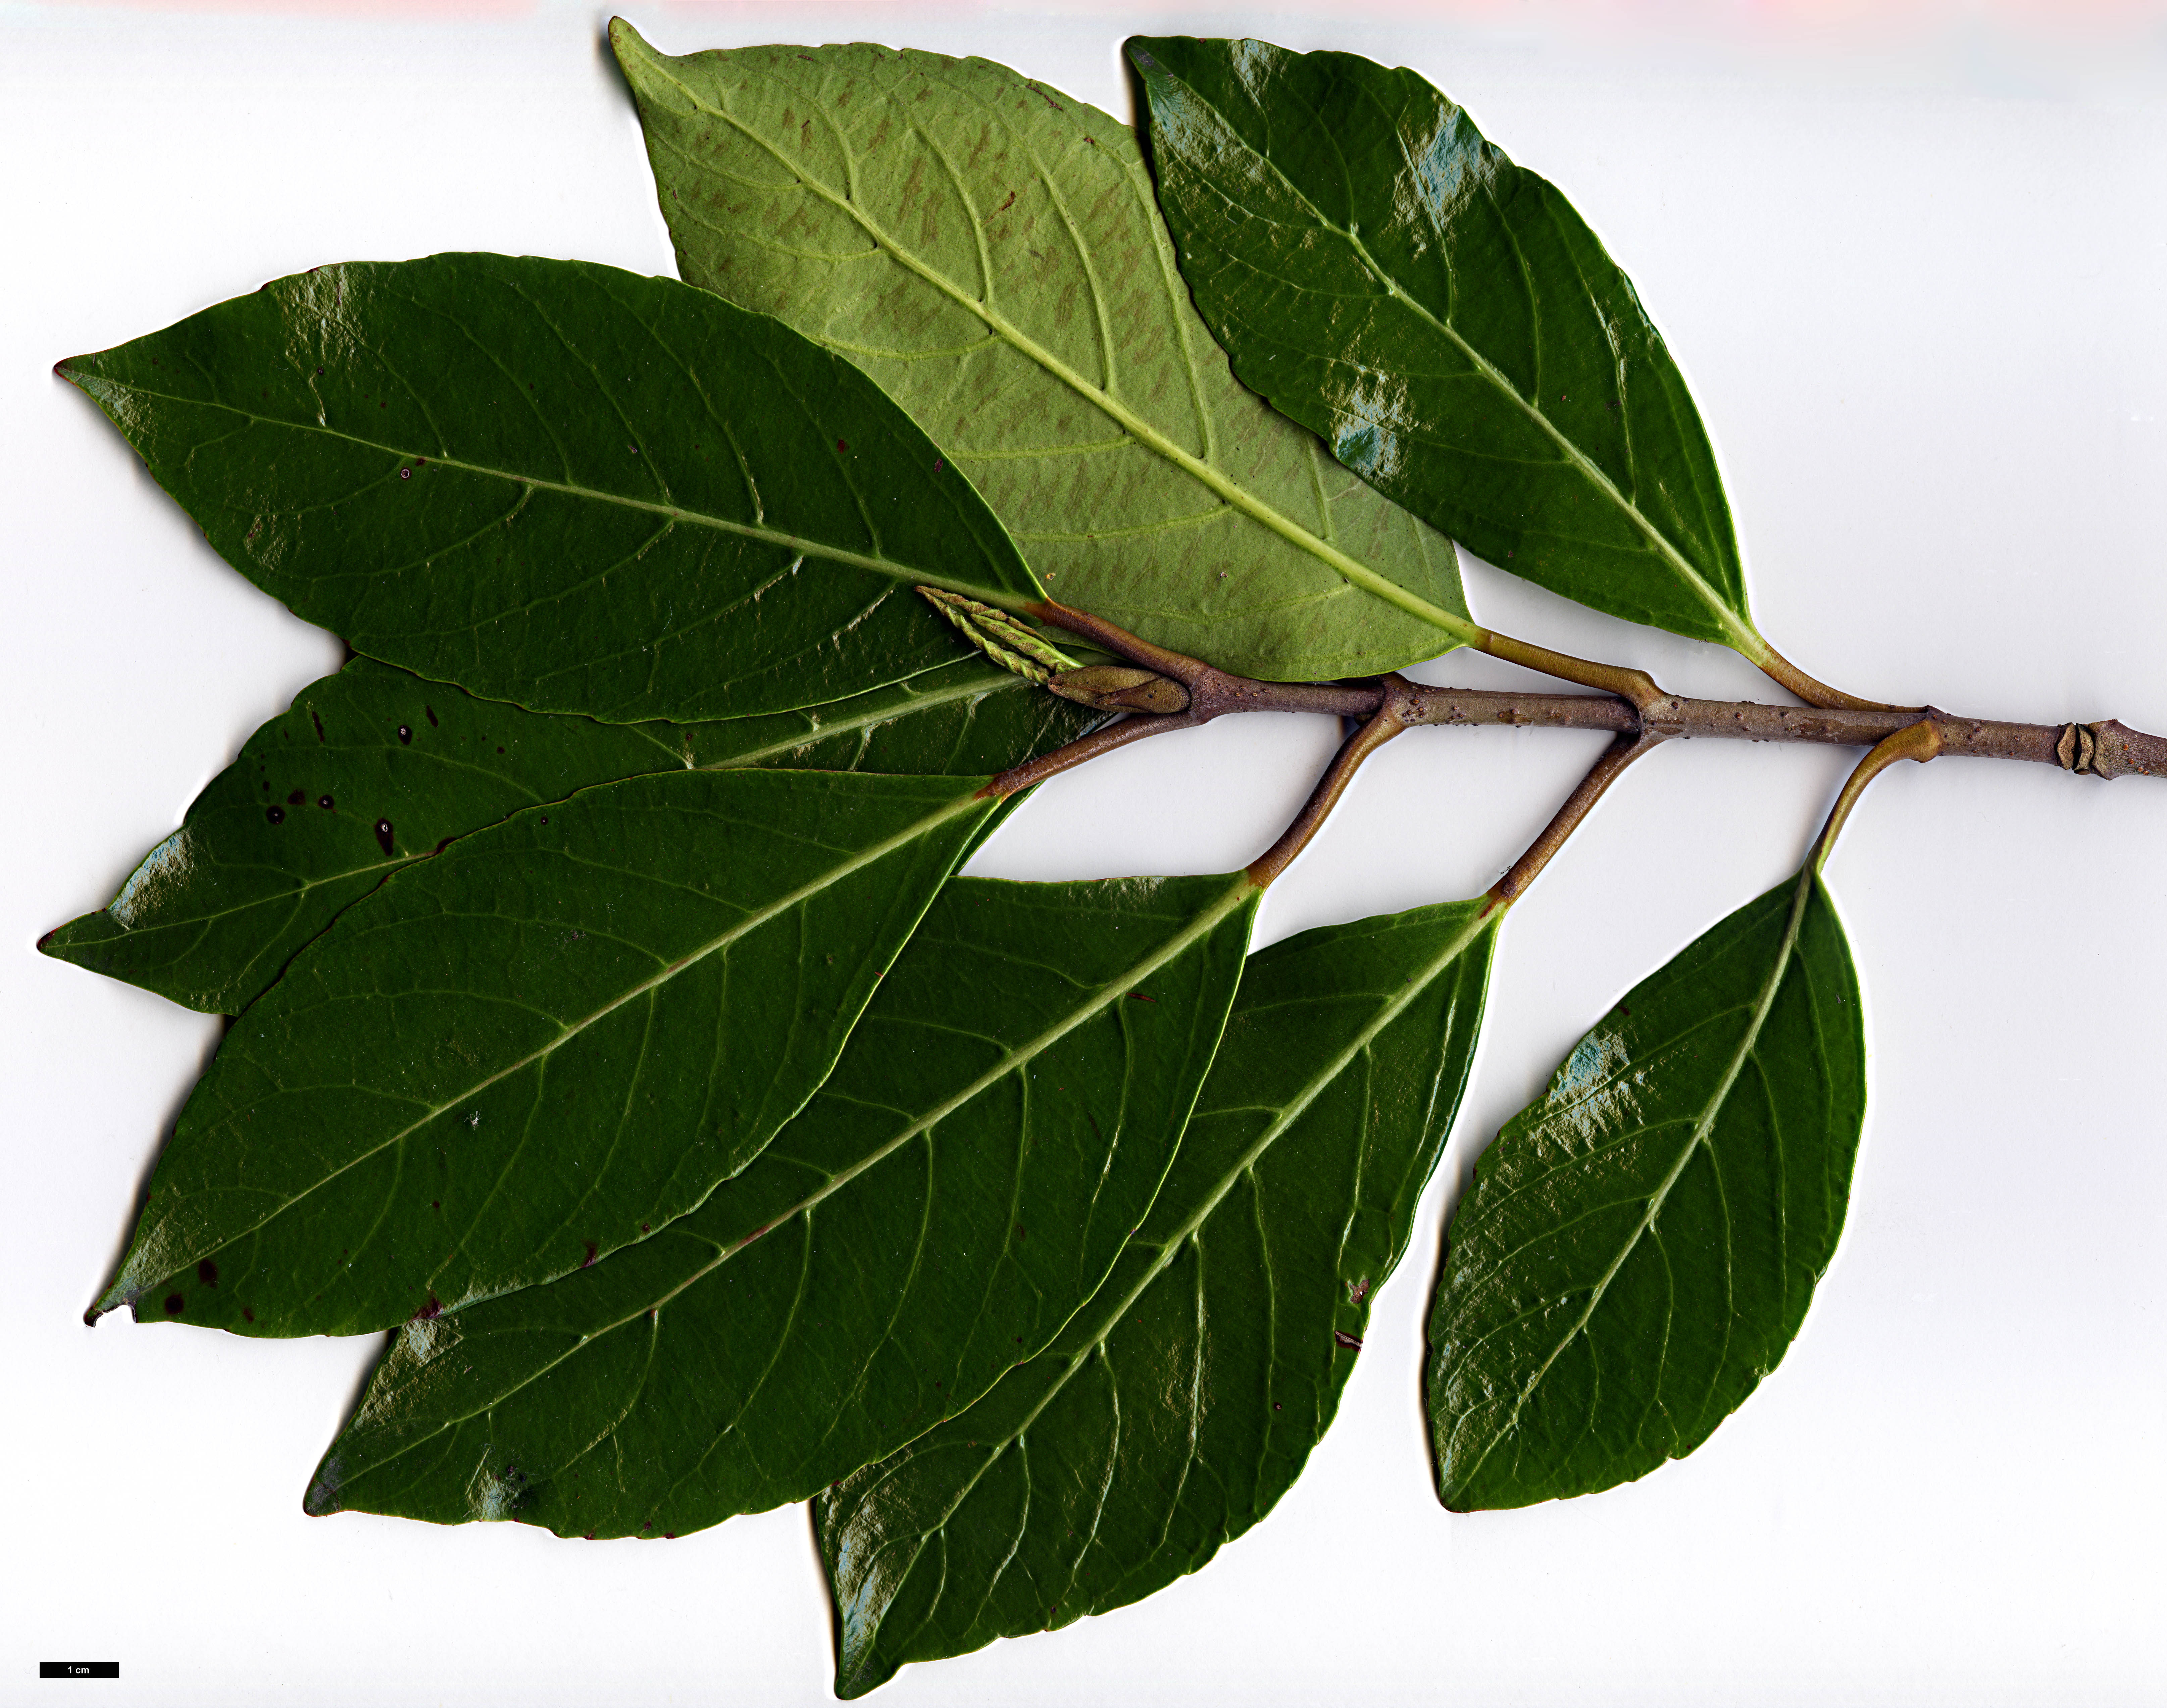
<point>207,1273</point>
<point>175,1304</point>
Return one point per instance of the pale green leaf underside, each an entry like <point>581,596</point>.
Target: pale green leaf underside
<point>990,251</point>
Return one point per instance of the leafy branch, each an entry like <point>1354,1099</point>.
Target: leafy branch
<point>612,1028</point>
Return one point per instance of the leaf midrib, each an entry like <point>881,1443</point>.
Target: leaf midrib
<point>1697,1138</point>
<point>1171,1246</point>
<point>1745,638</point>
<point>1111,991</point>
<point>800,543</point>
<point>1461,629</point>
<point>135,1273</point>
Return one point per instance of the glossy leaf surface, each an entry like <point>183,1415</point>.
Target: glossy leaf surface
<point>1445,321</point>
<point>535,1047</point>
<point>560,485</point>
<point>374,768</point>
<point>988,250</point>
<point>1642,1241</point>
<point>997,1129</point>
<point>1175,1409</point>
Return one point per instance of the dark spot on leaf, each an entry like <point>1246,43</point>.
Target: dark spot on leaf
<point>295,799</point>
<point>406,473</point>
<point>175,1304</point>
<point>430,1310</point>
<point>1276,1405</point>
<point>247,1315</point>
<point>841,445</point>
<point>276,814</point>
<point>1343,1338</point>
<point>383,836</point>
<point>318,722</point>
<point>669,1535</point>
<point>430,713</point>
<point>405,736</point>
<point>499,749</point>
<point>545,818</point>
<point>939,464</point>
<point>643,1228</point>
<point>435,1203</point>
<point>591,1248</point>
<point>207,1273</point>
<point>325,802</point>
<point>1019,1234</point>
<point>1138,997</point>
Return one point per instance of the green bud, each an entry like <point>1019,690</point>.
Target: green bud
<point>1009,641</point>
<point>1120,687</point>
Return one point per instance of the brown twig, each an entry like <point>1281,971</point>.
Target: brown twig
<point>1636,703</point>
<point>2110,749</point>
<point>1212,693</point>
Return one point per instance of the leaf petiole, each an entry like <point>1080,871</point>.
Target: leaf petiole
<point>1921,741</point>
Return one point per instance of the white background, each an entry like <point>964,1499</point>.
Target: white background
<point>1914,266</point>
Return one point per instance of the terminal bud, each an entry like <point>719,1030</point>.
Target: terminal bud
<point>1120,687</point>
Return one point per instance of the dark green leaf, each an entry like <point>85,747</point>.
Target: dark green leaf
<point>535,1047</point>
<point>1176,1408</point>
<point>560,485</point>
<point>996,1130</point>
<point>988,250</point>
<point>1642,1240</point>
<point>1447,322</point>
<point>373,769</point>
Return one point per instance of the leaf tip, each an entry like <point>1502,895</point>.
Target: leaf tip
<point>322,1498</point>
<point>116,1298</point>
<point>628,44</point>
